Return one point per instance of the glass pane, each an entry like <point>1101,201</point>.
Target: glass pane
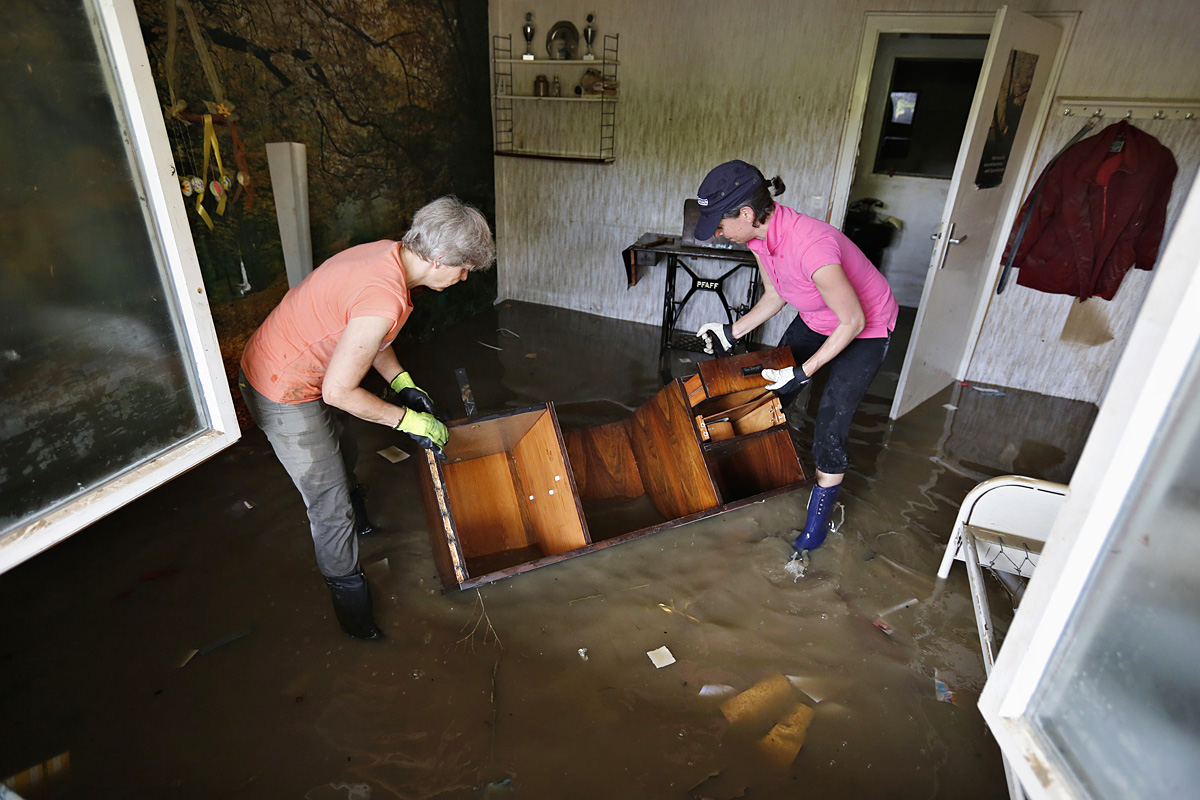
<point>95,376</point>
<point>1121,698</point>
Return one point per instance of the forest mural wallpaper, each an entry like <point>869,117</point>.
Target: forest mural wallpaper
<point>390,98</point>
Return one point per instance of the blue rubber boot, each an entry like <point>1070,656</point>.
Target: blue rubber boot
<point>816,526</point>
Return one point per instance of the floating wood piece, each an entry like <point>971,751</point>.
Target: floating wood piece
<point>516,493</point>
<point>782,744</point>
<point>762,705</point>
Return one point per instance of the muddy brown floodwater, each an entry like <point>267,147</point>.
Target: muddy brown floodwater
<point>538,686</point>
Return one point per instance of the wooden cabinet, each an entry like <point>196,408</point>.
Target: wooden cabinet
<point>568,127</point>
<point>517,493</point>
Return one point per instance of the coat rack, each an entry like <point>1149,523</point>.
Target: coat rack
<point>1114,108</point>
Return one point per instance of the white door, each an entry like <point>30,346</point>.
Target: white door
<point>111,378</point>
<point>993,161</point>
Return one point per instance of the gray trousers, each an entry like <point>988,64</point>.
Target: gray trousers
<point>313,444</point>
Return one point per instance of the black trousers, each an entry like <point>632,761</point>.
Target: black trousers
<point>847,377</point>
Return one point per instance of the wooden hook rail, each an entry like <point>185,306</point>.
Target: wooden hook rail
<point>1114,108</point>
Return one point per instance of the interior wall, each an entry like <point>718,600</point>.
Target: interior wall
<point>770,86</point>
<point>1052,343</point>
<point>915,201</point>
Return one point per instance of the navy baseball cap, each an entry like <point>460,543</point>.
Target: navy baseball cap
<point>726,188</point>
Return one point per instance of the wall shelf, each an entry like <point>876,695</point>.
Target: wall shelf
<point>571,99</point>
<point>555,62</point>
<point>578,157</point>
<point>524,127</point>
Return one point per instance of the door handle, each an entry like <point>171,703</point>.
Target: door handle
<point>934,236</point>
<point>941,259</point>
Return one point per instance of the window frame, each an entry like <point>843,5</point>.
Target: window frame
<point>122,50</point>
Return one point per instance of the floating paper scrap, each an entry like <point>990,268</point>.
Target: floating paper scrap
<point>809,686</point>
<point>661,657</point>
<point>950,407</point>
<point>393,454</point>
<point>715,690</point>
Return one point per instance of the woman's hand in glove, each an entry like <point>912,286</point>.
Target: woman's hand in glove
<point>425,429</point>
<point>789,378</point>
<point>411,395</point>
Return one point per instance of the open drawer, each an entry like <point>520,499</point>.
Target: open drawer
<point>737,414</point>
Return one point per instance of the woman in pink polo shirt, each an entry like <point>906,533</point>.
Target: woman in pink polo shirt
<point>845,312</point>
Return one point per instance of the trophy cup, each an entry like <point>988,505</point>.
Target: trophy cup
<point>589,36</point>
<point>527,32</point>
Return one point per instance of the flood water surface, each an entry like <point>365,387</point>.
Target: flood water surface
<point>185,647</point>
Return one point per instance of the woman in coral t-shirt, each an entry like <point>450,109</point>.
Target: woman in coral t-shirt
<point>845,312</point>
<point>302,368</point>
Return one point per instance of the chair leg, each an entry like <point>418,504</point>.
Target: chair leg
<point>952,548</point>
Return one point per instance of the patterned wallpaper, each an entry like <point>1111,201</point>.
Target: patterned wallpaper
<point>702,82</point>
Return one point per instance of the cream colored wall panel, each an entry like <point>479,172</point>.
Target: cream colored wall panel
<point>1025,342</point>
<point>702,82</point>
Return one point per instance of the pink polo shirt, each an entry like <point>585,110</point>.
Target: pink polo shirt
<point>286,358</point>
<point>797,246</point>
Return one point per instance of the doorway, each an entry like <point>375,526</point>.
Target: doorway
<point>1011,100</point>
<point>917,106</point>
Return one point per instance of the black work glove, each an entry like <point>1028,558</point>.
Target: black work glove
<point>718,337</point>
<point>426,430</point>
<point>411,395</point>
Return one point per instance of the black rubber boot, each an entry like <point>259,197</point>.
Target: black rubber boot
<point>358,499</point>
<point>352,604</point>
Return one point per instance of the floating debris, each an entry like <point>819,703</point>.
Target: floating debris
<point>489,346</point>
<point>661,657</point>
<point>393,454</point>
<point>797,565</point>
<point>583,653</point>
<point>670,609</point>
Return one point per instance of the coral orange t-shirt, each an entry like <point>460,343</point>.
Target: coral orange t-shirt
<point>286,358</point>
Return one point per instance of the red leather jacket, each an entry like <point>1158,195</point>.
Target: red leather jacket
<point>1101,210</point>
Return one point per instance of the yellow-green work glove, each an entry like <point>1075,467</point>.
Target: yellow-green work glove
<point>425,429</point>
<point>411,395</point>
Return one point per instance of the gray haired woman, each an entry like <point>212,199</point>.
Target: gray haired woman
<point>301,371</point>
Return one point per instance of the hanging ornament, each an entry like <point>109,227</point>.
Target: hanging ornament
<point>197,184</point>
<point>186,185</point>
<point>226,183</point>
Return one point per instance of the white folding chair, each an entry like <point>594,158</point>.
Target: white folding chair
<point>1002,525</point>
